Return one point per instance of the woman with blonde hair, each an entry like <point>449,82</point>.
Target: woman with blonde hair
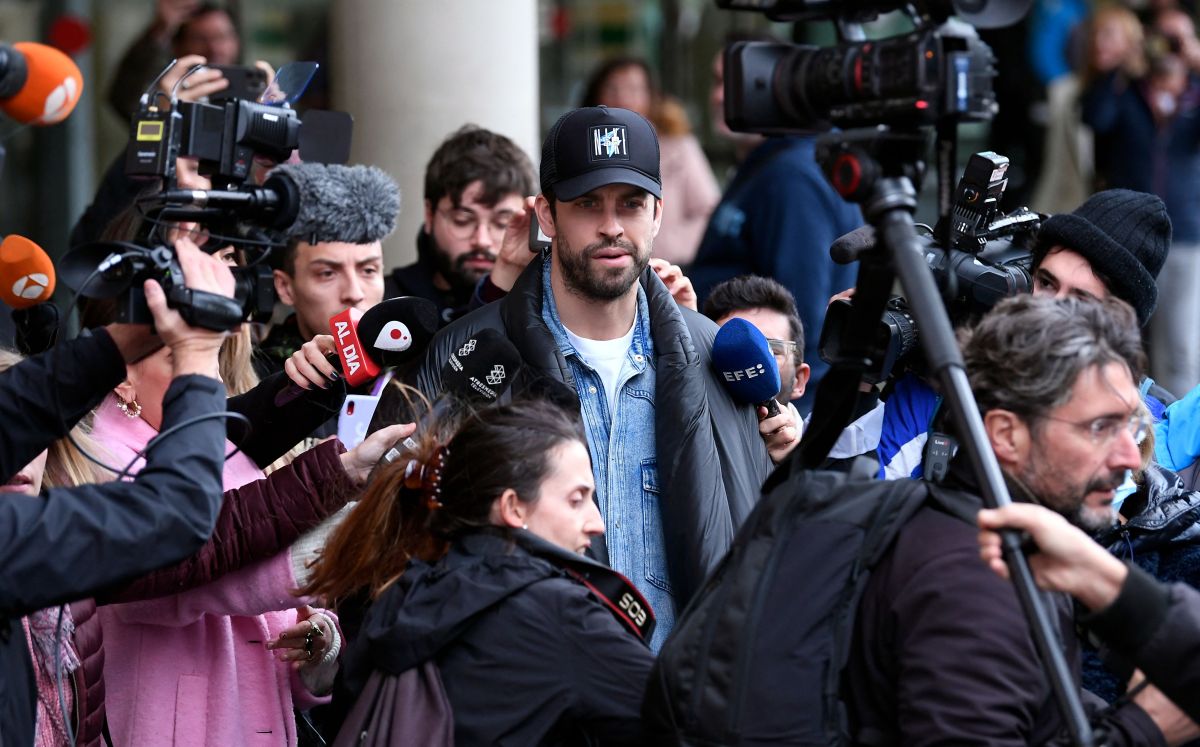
<point>255,522</point>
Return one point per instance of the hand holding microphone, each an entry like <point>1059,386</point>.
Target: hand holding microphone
<point>748,370</point>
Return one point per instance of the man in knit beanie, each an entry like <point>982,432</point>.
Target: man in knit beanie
<point>1114,243</point>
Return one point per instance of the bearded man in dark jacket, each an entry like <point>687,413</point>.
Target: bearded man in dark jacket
<point>677,463</point>
<point>942,652</point>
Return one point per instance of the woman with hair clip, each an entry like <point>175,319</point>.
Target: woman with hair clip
<point>473,552</point>
<point>255,523</point>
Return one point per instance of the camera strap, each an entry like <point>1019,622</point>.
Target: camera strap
<point>613,590</point>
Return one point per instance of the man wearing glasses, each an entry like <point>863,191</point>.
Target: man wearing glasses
<point>941,651</point>
<point>770,307</point>
<point>475,188</point>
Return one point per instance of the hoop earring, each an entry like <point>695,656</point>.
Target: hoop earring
<point>131,409</point>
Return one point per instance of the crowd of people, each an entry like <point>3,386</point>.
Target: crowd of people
<point>196,549</point>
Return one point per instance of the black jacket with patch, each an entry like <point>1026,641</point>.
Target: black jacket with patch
<point>527,655</point>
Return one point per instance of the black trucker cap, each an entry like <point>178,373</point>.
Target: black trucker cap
<point>591,147</point>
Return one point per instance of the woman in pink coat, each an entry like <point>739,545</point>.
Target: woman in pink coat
<point>225,663</point>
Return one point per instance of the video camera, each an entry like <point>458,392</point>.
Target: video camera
<point>937,71</point>
<point>225,137</point>
<point>989,259</point>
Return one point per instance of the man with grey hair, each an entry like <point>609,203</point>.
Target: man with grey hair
<point>942,652</point>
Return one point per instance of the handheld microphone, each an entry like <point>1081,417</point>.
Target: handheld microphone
<point>39,85</point>
<point>742,357</point>
<point>313,202</point>
<point>478,372</point>
<point>26,273</point>
<point>36,328</point>
<point>390,333</point>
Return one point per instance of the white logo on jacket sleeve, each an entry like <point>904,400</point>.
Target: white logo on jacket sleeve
<point>394,336</point>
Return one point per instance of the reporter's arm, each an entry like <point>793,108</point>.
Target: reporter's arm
<point>79,373</point>
<point>1157,628</point>
<point>77,541</point>
<point>256,521</point>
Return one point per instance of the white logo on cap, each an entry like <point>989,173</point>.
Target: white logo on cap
<point>468,348</point>
<point>609,142</point>
<point>394,336</point>
<point>497,375</point>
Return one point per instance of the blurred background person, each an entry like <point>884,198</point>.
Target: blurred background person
<point>626,82</point>
<point>179,28</point>
<point>1148,139</point>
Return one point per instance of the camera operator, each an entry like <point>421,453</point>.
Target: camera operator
<point>79,540</point>
<point>941,651</point>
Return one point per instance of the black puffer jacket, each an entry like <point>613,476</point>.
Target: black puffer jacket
<point>527,655</point>
<point>711,460</point>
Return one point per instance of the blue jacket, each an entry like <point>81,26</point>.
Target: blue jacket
<point>777,219</point>
<point>1132,152</point>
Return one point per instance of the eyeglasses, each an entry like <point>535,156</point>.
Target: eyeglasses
<point>781,347</point>
<point>463,223</point>
<point>1104,429</point>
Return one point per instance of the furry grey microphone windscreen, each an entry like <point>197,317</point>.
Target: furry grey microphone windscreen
<point>351,204</point>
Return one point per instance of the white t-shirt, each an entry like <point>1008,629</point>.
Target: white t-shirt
<point>606,357</point>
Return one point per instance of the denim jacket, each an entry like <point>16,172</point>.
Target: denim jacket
<point>624,464</point>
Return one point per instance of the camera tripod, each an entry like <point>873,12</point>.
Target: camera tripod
<point>877,168</point>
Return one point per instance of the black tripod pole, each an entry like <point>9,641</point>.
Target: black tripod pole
<point>890,209</point>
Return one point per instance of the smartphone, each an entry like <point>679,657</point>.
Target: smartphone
<point>354,419</point>
<point>244,83</point>
<point>538,241</point>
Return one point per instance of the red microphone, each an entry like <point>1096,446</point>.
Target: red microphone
<point>357,366</point>
<point>26,273</point>
<point>39,85</point>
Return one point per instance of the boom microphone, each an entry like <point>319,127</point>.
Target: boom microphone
<point>742,357</point>
<point>39,85</point>
<point>26,273</point>
<point>313,202</point>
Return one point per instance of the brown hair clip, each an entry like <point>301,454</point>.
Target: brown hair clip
<point>427,478</point>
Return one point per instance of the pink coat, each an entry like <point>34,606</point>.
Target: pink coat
<point>193,668</point>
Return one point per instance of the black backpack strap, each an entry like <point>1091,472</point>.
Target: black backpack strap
<point>957,503</point>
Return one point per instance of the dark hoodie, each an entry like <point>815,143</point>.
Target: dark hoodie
<point>528,656</point>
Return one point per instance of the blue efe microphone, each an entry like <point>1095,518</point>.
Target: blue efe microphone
<point>744,362</point>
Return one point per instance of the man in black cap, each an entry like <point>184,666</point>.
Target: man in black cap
<point>677,462</point>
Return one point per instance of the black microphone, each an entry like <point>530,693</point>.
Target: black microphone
<point>390,333</point>
<point>36,328</point>
<point>848,247</point>
<point>476,374</point>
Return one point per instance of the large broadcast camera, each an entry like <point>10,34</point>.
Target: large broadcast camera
<point>938,75</point>
<point>225,137</point>
<point>988,260</point>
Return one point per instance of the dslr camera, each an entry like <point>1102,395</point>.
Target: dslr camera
<point>989,258</point>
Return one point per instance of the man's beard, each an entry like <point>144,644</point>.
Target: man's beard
<point>1069,500</point>
<point>596,282</point>
<point>455,272</point>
